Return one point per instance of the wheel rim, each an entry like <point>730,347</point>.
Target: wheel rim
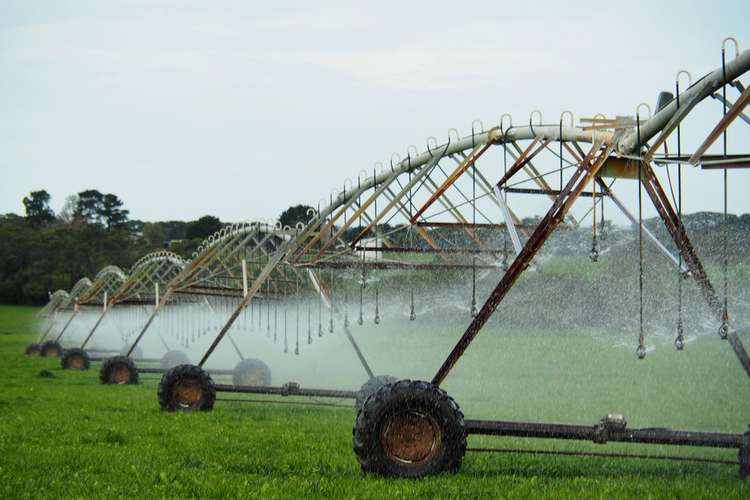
<point>76,362</point>
<point>411,437</point>
<point>53,352</point>
<point>120,374</point>
<point>187,394</point>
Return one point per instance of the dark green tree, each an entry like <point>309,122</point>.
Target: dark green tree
<point>89,207</point>
<point>292,215</point>
<point>203,227</point>
<point>38,211</point>
<point>153,232</point>
<point>112,213</point>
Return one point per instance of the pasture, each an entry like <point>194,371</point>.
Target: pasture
<point>62,434</point>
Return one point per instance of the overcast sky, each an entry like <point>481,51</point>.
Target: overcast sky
<point>240,109</point>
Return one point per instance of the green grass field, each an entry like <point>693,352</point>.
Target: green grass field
<point>68,436</point>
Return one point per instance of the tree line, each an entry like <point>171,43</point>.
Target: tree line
<point>43,251</point>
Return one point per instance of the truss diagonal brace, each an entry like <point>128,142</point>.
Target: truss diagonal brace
<point>72,316</point>
<point>409,185</point>
<point>588,168</point>
<point>725,121</point>
<point>476,153</point>
<point>729,104</point>
<point>511,227</point>
<point>677,231</point>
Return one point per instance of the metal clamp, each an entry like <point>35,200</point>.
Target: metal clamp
<point>608,424</point>
<point>289,388</point>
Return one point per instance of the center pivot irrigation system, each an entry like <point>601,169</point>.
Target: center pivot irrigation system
<point>61,305</point>
<point>216,280</point>
<point>129,299</point>
<point>396,217</point>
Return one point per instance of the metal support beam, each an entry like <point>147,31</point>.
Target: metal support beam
<point>578,181</point>
<point>726,120</point>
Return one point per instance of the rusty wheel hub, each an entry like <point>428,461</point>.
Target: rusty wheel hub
<point>411,437</point>
<point>120,374</point>
<point>187,393</point>
<point>76,362</point>
<point>53,352</point>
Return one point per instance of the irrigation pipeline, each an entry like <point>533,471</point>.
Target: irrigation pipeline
<point>298,403</point>
<point>681,458</point>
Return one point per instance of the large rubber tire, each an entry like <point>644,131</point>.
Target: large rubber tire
<point>409,429</point>
<point>371,387</point>
<point>186,388</point>
<point>172,359</point>
<point>251,372</point>
<point>51,349</point>
<point>118,370</point>
<point>33,350</point>
<point>75,359</point>
<point>137,352</point>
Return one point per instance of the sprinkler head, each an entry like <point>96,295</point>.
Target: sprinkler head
<point>320,330</point>
<point>377,319</point>
<point>296,350</point>
<point>724,330</point>
<point>412,315</point>
<point>679,343</point>
<point>594,253</point>
<point>641,352</point>
<point>330,326</point>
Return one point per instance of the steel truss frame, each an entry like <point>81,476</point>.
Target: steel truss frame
<point>105,283</point>
<point>221,268</point>
<point>141,286</point>
<point>619,148</point>
<point>68,302</point>
<point>616,149</point>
